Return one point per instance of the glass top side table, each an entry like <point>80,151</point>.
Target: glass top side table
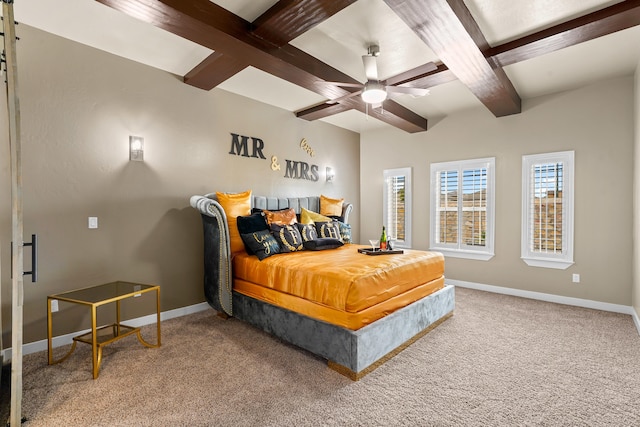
<point>98,337</point>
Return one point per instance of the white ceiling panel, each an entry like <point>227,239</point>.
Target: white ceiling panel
<point>96,25</point>
<point>263,87</point>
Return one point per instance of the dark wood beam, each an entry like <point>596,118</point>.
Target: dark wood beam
<point>212,26</point>
<point>214,70</point>
<point>448,28</point>
<point>322,110</point>
<point>283,22</point>
<point>589,27</point>
<point>287,19</point>
<point>596,24</point>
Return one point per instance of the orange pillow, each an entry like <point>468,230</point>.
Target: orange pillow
<point>331,207</point>
<point>283,217</point>
<point>235,205</point>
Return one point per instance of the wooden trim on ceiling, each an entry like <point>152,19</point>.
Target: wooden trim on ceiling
<point>606,21</point>
<point>287,19</point>
<point>283,22</point>
<point>215,69</point>
<point>448,28</point>
<point>212,26</point>
<point>238,43</point>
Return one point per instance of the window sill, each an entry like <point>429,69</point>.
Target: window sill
<point>479,256</point>
<point>548,263</point>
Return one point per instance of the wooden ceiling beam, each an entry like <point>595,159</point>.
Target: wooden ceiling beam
<point>212,26</point>
<point>448,28</point>
<point>392,113</point>
<point>606,21</point>
<point>600,23</point>
<point>215,69</point>
<point>287,19</point>
<point>283,22</point>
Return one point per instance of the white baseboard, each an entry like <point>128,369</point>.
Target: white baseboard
<point>636,320</point>
<point>34,347</point>
<point>578,302</point>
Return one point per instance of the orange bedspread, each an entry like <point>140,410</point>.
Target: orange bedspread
<point>340,286</point>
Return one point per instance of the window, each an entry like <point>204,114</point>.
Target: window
<point>396,206</point>
<point>462,208</point>
<point>547,210</point>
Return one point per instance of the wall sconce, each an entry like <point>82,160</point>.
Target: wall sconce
<point>330,174</point>
<point>136,148</point>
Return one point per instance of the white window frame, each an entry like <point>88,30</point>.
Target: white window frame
<point>390,174</point>
<point>533,258</point>
<point>461,250</point>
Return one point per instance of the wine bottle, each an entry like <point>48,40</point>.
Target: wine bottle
<point>383,239</point>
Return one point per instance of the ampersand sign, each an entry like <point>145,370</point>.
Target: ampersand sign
<point>275,166</point>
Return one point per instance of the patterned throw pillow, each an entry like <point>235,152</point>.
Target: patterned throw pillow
<point>261,243</point>
<point>288,237</point>
<point>345,231</point>
<point>307,231</point>
<point>328,229</point>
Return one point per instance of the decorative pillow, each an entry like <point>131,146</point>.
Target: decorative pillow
<point>261,243</point>
<point>307,231</point>
<point>235,205</point>
<point>328,229</point>
<point>282,217</point>
<point>310,217</point>
<point>250,224</point>
<point>330,206</point>
<point>288,237</point>
<point>345,231</point>
<point>322,244</point>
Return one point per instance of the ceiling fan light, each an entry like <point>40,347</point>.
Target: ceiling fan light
<point>373,93</point>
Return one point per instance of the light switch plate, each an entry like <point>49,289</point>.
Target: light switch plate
<point>93,222</point>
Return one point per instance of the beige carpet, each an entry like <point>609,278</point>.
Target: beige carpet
<point>499,361</point>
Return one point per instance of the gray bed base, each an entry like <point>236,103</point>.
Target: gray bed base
<point>352,353</point>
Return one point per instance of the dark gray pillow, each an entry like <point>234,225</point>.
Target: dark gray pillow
<point>250,224</point>
<point>322,243</point>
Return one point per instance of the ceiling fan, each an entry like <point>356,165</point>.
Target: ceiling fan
<point>374,91</point>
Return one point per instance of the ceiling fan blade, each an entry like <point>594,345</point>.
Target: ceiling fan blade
<point>370,67</point>
<point>342,98</point>
<point>415,91</point>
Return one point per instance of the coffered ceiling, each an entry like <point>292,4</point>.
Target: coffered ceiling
<point>489,53</point>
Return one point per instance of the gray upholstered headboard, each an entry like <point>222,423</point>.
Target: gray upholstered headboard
<point>218,275</point>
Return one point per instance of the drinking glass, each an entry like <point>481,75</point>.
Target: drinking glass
<point>374,244</point>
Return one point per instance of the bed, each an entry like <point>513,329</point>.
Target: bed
<point>368,308</point>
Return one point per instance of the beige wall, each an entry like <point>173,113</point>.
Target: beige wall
<point>595,121</point>
<point>79,106</point>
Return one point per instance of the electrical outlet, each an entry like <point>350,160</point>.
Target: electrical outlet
<point>576,278</point>
<point>93,222</point>
<point>54,305</point>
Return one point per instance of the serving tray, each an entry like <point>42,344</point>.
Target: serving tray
<point>380,252</point>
